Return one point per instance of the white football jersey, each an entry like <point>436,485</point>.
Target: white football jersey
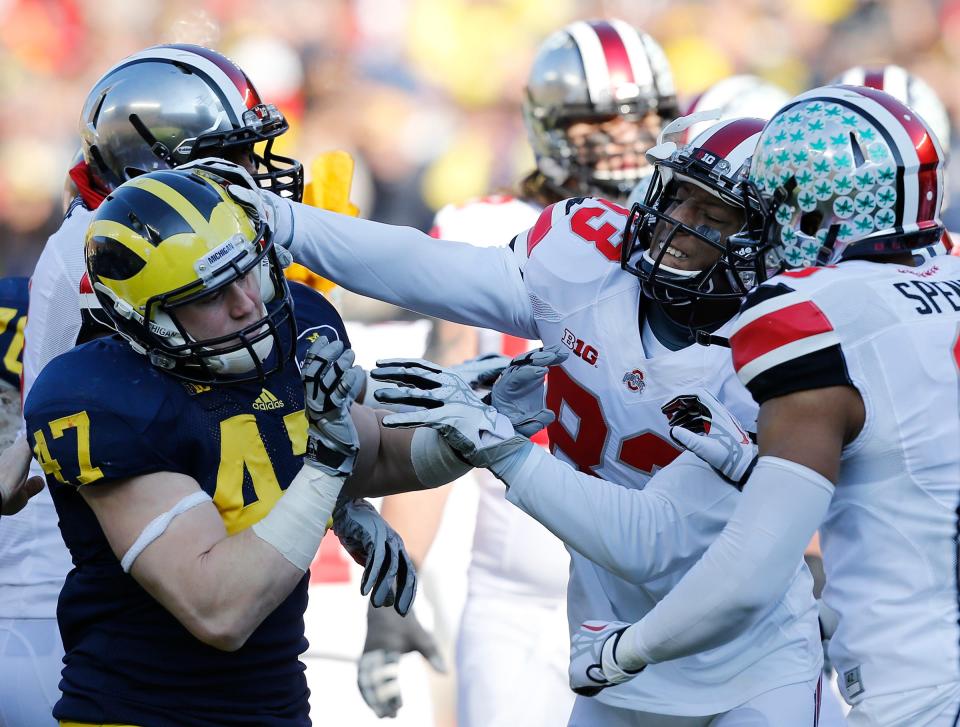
<point>512,553</point>
<point>561,281</point>
<point>607,396</point>
<point>890,538</point>
<point>33,559</point>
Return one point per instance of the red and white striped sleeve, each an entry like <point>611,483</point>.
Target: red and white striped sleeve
<point>782,342</point>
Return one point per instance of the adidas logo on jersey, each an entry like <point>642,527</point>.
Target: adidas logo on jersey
<point>267,402</point>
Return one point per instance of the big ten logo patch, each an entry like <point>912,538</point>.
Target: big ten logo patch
<point>583,350</point>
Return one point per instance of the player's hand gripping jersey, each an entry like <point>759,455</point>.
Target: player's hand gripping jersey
<point>891,332</point>
<point>561,282</point>
<point>243,444</point>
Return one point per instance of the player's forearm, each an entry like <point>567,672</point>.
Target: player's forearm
<point>393,461</point>
<point>635,534</point>
<point>401,265</point>
<point>743,572</point>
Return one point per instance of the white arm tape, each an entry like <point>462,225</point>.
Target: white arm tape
<point>158,526</point>
<point>744,570</point>
<point>298,521</point>
<point>433,460</point>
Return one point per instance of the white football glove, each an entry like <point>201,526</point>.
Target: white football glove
<point>480,372</point>
<point>389,637</point>
<point>331,384</point>
<point>259,203</point>
<point>593,659</point>
<point>519,392</point>
<point>388,570</point>
<point>700,423</point>
<point>477,432</point>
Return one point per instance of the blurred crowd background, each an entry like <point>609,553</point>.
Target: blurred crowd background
<point>424,93</point>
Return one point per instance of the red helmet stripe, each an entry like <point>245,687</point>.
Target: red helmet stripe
<point>927,154</point>
<point>250,96</point>
<point>615,54</point>
<point>731,135</point>
<point>873,78</point>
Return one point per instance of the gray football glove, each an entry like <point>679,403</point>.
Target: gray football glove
<point>481,371</point>
<point>593,661</point>
<point>700,423</point>
<point>388,572</point>
<point>331,384</point>
<point>479,434</point>
<point>519,392</point>
<point>389,637</point>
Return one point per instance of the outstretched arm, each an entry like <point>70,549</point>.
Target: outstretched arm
<point>478,286</point>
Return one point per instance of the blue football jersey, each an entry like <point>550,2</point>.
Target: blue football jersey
<point>100,413</point>
<point>14,295</point>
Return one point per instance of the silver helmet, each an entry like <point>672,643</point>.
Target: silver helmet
<point>169,104</point>
<point>595,71</point>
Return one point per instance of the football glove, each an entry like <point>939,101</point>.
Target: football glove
<point>519,392</point>
<point>480,372</point>
<point>701,424</point>
<point>477,432</point>
<point>593,658</point>
<point>388,572</point>
<point>388,638</point>
<point>331,384</point>
<point>260,204</point>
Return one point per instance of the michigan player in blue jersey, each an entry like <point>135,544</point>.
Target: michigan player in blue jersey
<point>14,295</point>
<point>15,488</point>
<point>192,489</point>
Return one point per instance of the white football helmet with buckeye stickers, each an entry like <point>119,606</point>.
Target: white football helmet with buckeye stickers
<point>847,172</point>
<point>906,88</point>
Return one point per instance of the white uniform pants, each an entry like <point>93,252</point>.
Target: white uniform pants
<point>512,655</point>
<point>794,705</point>
<point>31,657</point>
<point>930,707</point>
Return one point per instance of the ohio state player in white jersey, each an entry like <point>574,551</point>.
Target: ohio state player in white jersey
<point>855,367</point>
<point>562,280</point>
<point>597,95</point>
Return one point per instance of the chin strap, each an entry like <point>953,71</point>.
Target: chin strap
<point>705,338</point>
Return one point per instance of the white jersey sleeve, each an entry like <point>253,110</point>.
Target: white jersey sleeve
<point>477,286</point>
<point>54,319</point>
<point>638,535</point>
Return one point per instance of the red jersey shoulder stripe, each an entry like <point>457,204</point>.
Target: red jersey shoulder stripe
<point>776,331</point>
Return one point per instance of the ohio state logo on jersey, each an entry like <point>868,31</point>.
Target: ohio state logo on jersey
<point>634,380</point>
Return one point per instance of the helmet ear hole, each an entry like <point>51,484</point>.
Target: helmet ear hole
<point>810,222</point>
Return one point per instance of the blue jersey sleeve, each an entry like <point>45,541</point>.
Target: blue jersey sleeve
<point>316,317</point>
<point>86,426</point>
<point>14,295</point>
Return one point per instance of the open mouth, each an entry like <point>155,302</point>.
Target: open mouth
<point>671,251</point>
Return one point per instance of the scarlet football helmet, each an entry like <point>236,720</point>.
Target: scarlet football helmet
<point>718,161</point>
<point>847,172</point>
<point>594,71</point>
<point>169,104</point>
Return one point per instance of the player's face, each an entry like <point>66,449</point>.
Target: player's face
<point>228,310</point>
<point>242,155</point>
<point>615,144</point>
<point>694,206</point>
